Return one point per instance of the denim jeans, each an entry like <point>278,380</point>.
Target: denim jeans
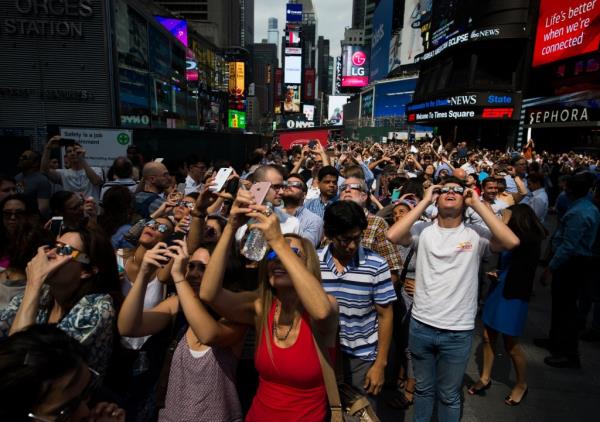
<point>439,359</point>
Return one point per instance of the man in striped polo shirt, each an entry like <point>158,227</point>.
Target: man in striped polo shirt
<point>360,281</point>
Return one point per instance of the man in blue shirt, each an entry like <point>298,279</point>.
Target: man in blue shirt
<point>328,187</point>
<point>311,225</point>
<point>361,282</point>
<point>572,264</point>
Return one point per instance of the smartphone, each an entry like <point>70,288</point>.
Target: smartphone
<point>312,144</point>
<point>175,236</point>
<point>259,191</point>
<point>56,225</point>
<point>220,179</point>
<point>66,142</point>
<point>232,186</point>
<point>396,195</point>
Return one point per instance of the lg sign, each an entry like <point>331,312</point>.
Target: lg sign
<point>359,58</point>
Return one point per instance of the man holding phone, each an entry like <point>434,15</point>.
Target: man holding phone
<point>79,177</point>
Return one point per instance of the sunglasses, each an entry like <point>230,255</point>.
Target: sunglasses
<point>190,205</point>
<point>62,249</point>
<point>298,185</point>
<point>278,186</point>
<point>272,255</point>
<point>352,186</point>
<point>64,413</point>
<point>161,228</point>
<point>14,213</point>
<point>454,189</point>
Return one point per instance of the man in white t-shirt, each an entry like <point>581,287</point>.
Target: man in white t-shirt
<point>445,301</point>
<point>79,177</point>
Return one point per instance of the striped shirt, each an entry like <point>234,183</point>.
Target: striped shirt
<point>365,282</point>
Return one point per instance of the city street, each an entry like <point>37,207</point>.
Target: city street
<point>555,395</point>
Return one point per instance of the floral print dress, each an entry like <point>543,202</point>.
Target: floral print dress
<point>91,322</point>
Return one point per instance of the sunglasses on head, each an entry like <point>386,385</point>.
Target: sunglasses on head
<point>64,413</point>
<point>352,186</point>
<point>154,225</point>
<point>63,249</point>
<point>272,255</point>
<point>455,189</point>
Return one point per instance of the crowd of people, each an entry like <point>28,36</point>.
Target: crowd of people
<point>129,293</point>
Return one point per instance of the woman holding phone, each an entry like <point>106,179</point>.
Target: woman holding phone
<point>289,307</point>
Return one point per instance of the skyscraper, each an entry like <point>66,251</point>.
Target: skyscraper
<point>273,32</point>
<point>362,17</point>
<point>247,22</point>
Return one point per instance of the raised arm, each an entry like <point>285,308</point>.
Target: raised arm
<point>45,161</point>
<point>133,321</point>
<point>502,237</point>
<point>89,172</point>
<point>321,307</point>
<point>399,233</point>
<point>206,329</point>
<point>238,307</point>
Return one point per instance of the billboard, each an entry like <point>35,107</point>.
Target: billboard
<point>177,27</point>
<point>237,119</point>
<point>191,66</point>
<point>410,42</point>
<point>380,41</point>
<point>293,12</point>
<point>335,114</point>
<point>309,112</point>
<point>391,98</point>
<point>366,104</point>
<point>292,73</point>
<point>566,28</point>
<point>236,78</point>
<point>291,101</point>
<point>355,67</point>
<point>292,37</point>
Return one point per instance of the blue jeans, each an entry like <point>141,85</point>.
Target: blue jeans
<point>439,359</point>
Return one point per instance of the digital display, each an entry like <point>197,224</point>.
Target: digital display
<point>292,73</point>
<point>355,67</point>
<point>177,27</point>
<point>294,12</point>
<point>566,28</point>
<point>237,119</point>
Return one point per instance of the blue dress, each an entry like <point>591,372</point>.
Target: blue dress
<point>506,316</point>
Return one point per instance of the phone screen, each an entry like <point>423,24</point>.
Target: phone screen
<point>396,195</point>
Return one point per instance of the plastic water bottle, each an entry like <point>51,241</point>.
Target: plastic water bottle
<point>256,245</point>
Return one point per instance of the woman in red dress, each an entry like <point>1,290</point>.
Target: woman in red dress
<point>285,309</point>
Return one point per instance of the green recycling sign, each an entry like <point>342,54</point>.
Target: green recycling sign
<point>123,138</point>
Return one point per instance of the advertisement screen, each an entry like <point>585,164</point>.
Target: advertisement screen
<point>309,84</point>
<point>293,37</point>
<point>291,101</point>
<point>236,78</point>
<point>237,119</point>
<point>366,104</point>
<point>380,41</point>
<point>177,27</point>
<point>450,18</point>
<point>294,12</point>
<point>391,98</point>
<point>191,69</point>
<point>566,28</point>
<point>335,113</point>
<point>292,73</point>
<point>411,43</point>
<point>309,112</point>
<point>355,67</point>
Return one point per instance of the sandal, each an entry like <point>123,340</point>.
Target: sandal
<point>478,388</point>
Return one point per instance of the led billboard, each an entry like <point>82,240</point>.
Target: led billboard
<point>236,78</point>
<point>177,27</point>
<point>380,41</point>
<point>309,112</point>
<point>293,12</point>
<point>355,67</point>
<point>335,113</point>
<point>566,28</point>
<point>411,43</point>
<point>292,73</point>
<point>291,100</point>
<point>237,119</point>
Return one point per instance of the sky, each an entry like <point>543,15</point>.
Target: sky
<point>332,17</point>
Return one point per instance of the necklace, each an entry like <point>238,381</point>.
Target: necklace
<point>276,325</point>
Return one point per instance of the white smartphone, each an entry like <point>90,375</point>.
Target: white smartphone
<point>220,179</point>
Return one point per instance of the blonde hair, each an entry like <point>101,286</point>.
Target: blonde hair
<point>266,291</point>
